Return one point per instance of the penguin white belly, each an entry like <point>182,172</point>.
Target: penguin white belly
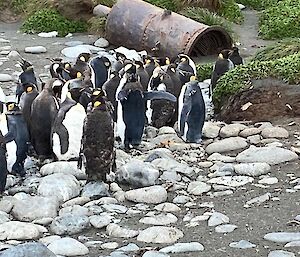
<point>149,112</point>
<point>11,147</point>
<point>120,128</point>
<point>73,122</point>
<point>180,104</point>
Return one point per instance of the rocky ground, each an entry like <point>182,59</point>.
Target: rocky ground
<point>233,195</point>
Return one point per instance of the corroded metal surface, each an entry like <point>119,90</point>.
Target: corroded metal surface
<point>139,25</point>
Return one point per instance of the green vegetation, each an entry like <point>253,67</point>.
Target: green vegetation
<point>204,71</point>
<point>47,20</point>
<point>279,50</point>
<point>166,4</point>
<point>281,21</point>
<point>109,3</point>
<point>96,25</point>
<point>285,68</point>
<point>230,10</point>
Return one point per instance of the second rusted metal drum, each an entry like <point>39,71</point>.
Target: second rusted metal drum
<point>139,25</point>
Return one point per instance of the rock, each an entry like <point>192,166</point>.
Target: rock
<point>74,51</point>
<point>167,207</point>
<point>249,132</point>
<point>170,176</point>
<point>5,78</point>
<point>231,130</point>
<point>166,139</point>
<point>101,42</point>
<point>172,165</point>
<point>69,168</point>
<point>221,158</point>
<point>160,235</point>
<point>260,199</point>
<point>254,140</point>
<point>217,218</point>
<point>69,224</point>
<point>100,221</point>
<point>270,155</point>
<point>268,181</point>
<point>115,230</point>
<point>6,204</point>
<point>280,253</point>
<point>242,244</point>
<point>293,244</point>
<point>62,186</point>
<point>73,43</point>
<point>35,207</point>
<point>198,188</point>
<point>227,228</point>
<point>183,248</point>
<point>48,34</point>
<point>3,40</point>
<point>35,49</point>
<point>283,237</point>
<point>226,145</point>
<point>4,217</point>
<point>181,199</point>
<point>231,181</point>
<point>154,254</point>
<point>49,239</point>
<point>111,246</point>
<point>129,248</point>
<point>160,219</point>
<point>138,173</point>
<point>252,169</point>
<point>153,194</point>
<point>74,210</point>
<point>275,132</point>
<point>241,6</point>
<point>16,230</point>
<point>115,208</point>
<point>95,190</point>
<point>68,247</point>
<point>76,201</point>
<point>28,250</point>
<point>210,130</point>
<point>166,130</point>
<point>101,10</point>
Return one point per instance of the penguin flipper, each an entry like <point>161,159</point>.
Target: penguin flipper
<point>184,115</point>
<point>63,133</point>
<point>157,95</point>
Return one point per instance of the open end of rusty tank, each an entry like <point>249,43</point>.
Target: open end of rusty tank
<point>140,25</point>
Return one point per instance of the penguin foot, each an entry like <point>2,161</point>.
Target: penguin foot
<point>18,170</point>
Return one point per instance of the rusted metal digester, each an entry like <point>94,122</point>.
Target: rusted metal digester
<point>140,25</point>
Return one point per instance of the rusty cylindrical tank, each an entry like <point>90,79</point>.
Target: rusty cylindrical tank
<point>140,25</point>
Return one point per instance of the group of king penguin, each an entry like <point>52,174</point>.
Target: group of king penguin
<point>87,105</point>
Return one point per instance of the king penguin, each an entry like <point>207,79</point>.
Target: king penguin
<point>191,112</point>
<point>235,57</point>
<point>100,70</point>
<point>98,138</point>
<point>67,129</point>
<point>3,164</point>
<point>186,68</point>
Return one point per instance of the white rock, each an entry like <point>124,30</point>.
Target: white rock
<point>258,200</point>
<point>115,208</point>
<point>100,221</point>
<point>153,194</point>
<point>68,247</point>
<point>5,78</point>
<point>221,158</point>
<point>242,244</point>
<point>69,224</point>
<point>110,245</point>
<point>280,253</point>
<point>74,210</point>
<point>160,235</point>
<point>115,230</point>
<point>76,201</point>
<point>138,173</point>
<point>183,247</point>
<point>128,248</point>
<point>249,132</point>
<point>181,199</point>
<point>241,6</point>
<point>282,237</point>
<point>6,204</point>
<point>3,40</point>
<point>172,165</point>
<point>198,188</point>
<point>268,180</point>
<point>69,168</point>
<point>62,186</point>
<point>275,132</point>
<point>231,130</point>
<point>293,244</point>
<point>101,42</point>
<point>252,169</point>
<point>4,217</point>
<point>74,51</point>
<point>35,49</point>
<point>210,130</point>
<point>35,207</point>
<point>48,34</point>
<point>167,207</point>
<point>154,254</point>
<point>101,10</point>
<point>95,189</point>
<point>227,228</point>
<point>231,181</point>
<point>49,239</point>
<point>270,155</point>
<point>16,230</point>
<point>217,218</point>
<point>160,219</point>
<point>226,145</point>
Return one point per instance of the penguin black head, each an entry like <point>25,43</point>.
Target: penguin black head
<point>224,54</point>
<point>235,49</point>
<point>120,57</point>
<point>98,99</point>
<point>25,65</point>
<point>83,57</point>
<point>172,67</point>
<point>130,70</point>
<point>138,64</point>
<point>12,106</point>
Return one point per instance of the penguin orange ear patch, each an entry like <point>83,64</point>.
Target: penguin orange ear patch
<point>221,56</point>
<point>78,74</point>
<point>97,103</point>
<point>193,78</point>
<point>107,64</point>
<point>67,65</point>
<point>97,92</point>
<point>168,61</point>
<point>148,61</point>
<point>29,89</point>
<point>82,58</point>
<point>10,106</point>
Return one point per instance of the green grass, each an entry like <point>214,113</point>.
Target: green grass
<point>281,21</point>
<point>285,68</point>
<point>47,20</point>
<point>204,71</point>
<point>231,11</point>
